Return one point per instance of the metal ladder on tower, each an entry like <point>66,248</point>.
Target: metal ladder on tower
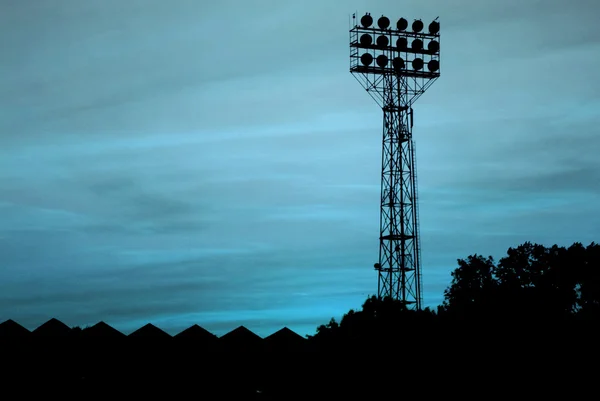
<point>417,225</point>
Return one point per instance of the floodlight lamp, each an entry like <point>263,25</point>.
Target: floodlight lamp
<point>433,46</point>
<point>366,59</point>
<point>417,64</point>
<point>383,22</point>
<point>433,65</point>
<point>434,27</point>
<point>382,41</point>
<point>382,60</point>
<point>417,45</point>
<point>366,40</point>
<point>398,63</point>
<point>402,43</point>
<point>402,24</point>
<point>366,20</point>
<point>417,26</point>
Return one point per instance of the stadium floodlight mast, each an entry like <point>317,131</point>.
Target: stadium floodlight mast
<point>395,64</point>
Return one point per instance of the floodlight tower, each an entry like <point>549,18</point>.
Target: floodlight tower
<point>396,65</point>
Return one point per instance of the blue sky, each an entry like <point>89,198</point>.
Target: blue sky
<point>215,163</point>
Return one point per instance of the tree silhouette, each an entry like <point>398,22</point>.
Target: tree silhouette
<point>472,289</point>
<point>588,286</point>
<point>531,283</point>
<point>377,321</point>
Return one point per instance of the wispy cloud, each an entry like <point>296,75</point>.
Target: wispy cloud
<point>185,162</point>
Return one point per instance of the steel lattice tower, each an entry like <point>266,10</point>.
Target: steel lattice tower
<point>395,69</point>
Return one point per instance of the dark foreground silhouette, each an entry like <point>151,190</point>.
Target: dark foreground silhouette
<point>527,326</point>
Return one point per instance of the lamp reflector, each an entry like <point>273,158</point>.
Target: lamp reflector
<point>434,27</point>
<point>366,40</point>
<point>417,45</point>
<point>398,63</point>
<point>402,24</point>
<point>366,59</point>
<point>417,64</point>
<point>383,22</point>
<point>433,65</point>
<point>382,41</point>
<point>382,60</point>
<point>433,46</point>
<point>402,43</point>
<point>366,20</point>
<point>417,26</point>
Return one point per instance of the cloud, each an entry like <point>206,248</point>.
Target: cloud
<point>155,166</point>
<point>171,288</point>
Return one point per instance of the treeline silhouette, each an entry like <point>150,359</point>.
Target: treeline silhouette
<point>531,287</point>
<point>520,321</point>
